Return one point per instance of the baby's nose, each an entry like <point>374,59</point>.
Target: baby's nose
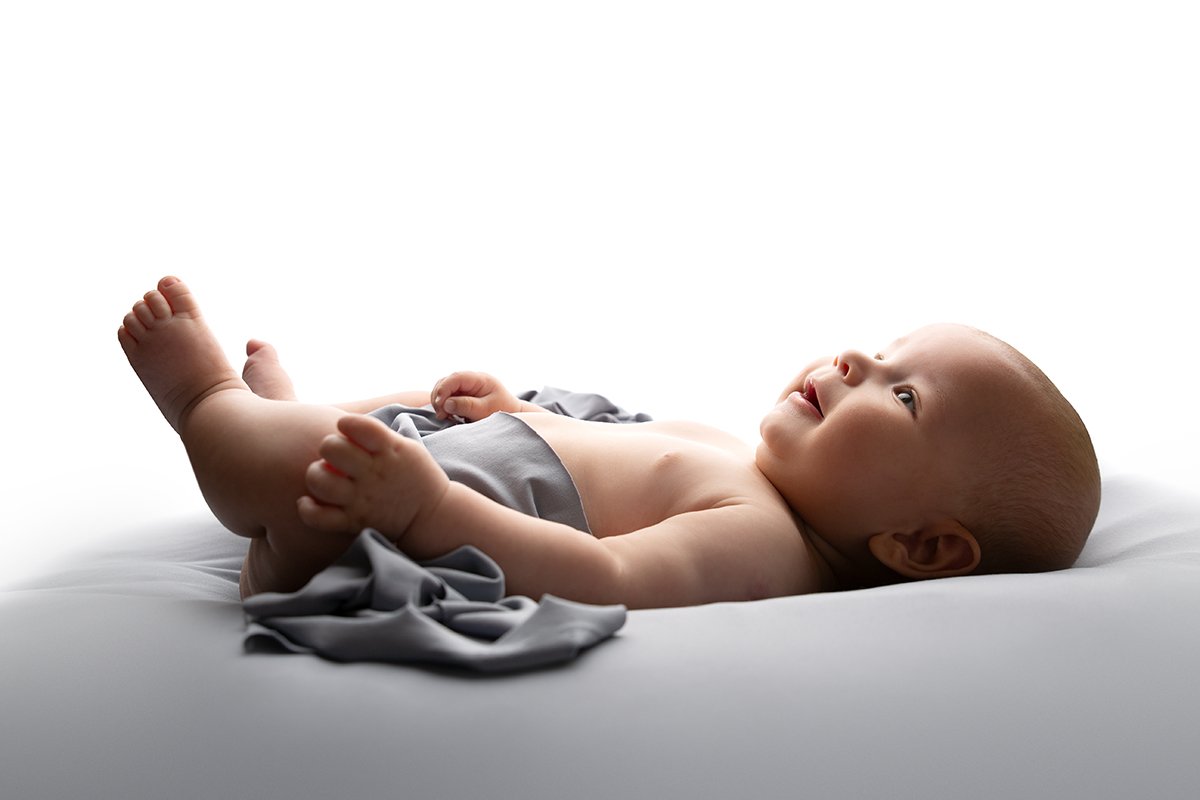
<point>853,365</point>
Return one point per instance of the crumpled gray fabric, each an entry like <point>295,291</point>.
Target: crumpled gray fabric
<point>581,405</point>
<point>376,604</point>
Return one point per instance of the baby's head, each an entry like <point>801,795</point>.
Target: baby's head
<point>947,453</point>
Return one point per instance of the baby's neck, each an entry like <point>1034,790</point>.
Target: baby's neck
<point>839,570</point>
<point>830,563</point>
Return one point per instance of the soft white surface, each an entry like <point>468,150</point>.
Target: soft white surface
<point>122,677</point>
<point>676,204</point>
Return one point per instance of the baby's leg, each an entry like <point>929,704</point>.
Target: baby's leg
<point>249,454</point>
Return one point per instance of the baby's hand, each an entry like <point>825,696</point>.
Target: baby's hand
<point>370,476</point>
<point>472,396</point>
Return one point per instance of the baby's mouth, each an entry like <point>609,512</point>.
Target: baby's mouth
<point>809,393</point>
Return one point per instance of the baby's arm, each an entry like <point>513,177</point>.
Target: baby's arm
<point>718,554</point>
<point>370,476</point>
<point>473,396</point>
<point>414,399</point>
<point>728,553</point>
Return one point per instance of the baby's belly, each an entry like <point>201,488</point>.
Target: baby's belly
<point>630,477</point>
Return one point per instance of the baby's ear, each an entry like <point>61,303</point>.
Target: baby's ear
<point>941,550</point>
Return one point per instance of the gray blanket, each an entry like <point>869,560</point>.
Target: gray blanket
<point>376,604</point>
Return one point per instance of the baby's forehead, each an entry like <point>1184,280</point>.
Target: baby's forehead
<point>945,334</point>
<point>951,344</point>
<point>969,370</point>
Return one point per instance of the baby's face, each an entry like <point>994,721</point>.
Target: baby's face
<point>862,444</point>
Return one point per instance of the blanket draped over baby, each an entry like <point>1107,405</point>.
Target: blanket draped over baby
<point>376,604</point>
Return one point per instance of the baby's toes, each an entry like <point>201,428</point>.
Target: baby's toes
<point>157,304</point>
<point>143,312</point>
<point>133,326</point>
<point>178,296</point>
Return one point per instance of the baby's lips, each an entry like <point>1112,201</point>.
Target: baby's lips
<point>812,396</point>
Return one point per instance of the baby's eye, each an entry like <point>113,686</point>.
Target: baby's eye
<point>907,397</point>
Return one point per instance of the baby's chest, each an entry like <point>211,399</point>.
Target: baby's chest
<point>633,476</point>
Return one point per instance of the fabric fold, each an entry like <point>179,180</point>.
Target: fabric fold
<point>376,604</point>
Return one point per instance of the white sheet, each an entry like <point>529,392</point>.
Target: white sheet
<point>122,677</point>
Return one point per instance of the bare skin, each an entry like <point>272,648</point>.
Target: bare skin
<point>679,513</point>
<point>250,475</point>
<point>263,373</point>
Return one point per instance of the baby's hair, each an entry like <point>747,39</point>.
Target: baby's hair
<point>1034,509</point>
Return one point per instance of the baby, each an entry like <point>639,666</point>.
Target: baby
<point>947,453</point>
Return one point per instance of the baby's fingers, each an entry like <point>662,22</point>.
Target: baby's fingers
<point>327,485</point>
<point>457,384</point>
<point>469,408</point>
<point>347,457</point>
<point>323,517</point>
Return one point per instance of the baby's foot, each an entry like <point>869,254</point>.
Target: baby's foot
<point>172,350</point>
<point>263,373</point>
<point>371,476</point>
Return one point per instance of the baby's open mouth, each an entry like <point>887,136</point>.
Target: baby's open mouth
<point>809,393</point>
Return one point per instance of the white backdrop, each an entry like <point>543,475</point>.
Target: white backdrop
<point>676,204</point>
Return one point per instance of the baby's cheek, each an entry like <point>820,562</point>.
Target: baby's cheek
<point>870,441</point>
